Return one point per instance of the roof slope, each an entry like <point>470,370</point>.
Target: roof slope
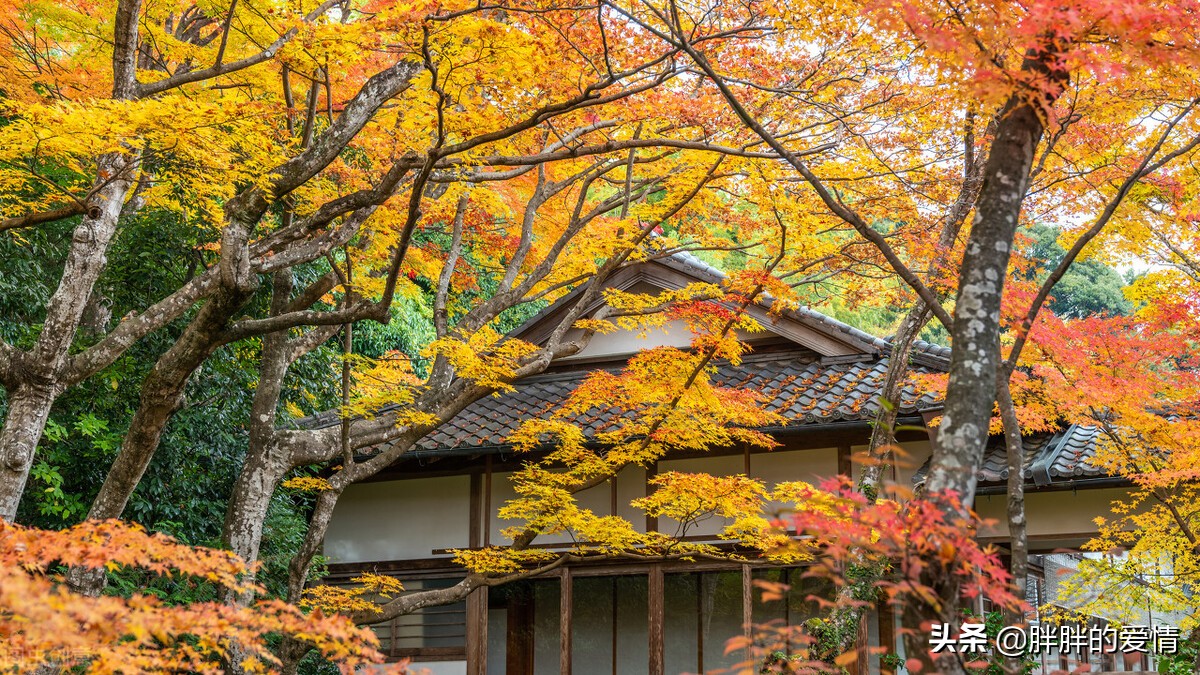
<point>690,264</point>
<point>1051,459</point>
<point>825,372</point>
<point>802,325</point>
<point>801,389</point>
<point>794,383</point>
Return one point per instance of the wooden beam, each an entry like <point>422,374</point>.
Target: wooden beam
<point>475,519</point>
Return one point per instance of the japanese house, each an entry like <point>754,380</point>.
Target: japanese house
<point>612,617</point>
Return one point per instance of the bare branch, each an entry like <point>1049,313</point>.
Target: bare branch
<point>833,204</point>
<point>222,68</point>
<point>637,143</point>
<point>41,217</point>
<point>441,319</point>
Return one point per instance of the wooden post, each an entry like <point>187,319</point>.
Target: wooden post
<point>477,639</point>
<point>487,501</point>
<point>657,618</point>
<point>747,607</point>
<point>651,521</point>
<point>564,621</point>
<point>519,659</point>
<point>861,648</point>
<point>845,465</point>
<point>887,632</point>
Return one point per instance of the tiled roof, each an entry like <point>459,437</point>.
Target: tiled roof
<point>1058,457</point>
<point>796,384</point>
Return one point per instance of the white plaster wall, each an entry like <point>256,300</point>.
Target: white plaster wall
<point>780,466</point>
<point>906,466</point>
<point>672,334</point>
<point>907,463</point>
<point>1051,513</point>
<point>501,492</point>
<point>399,520</point>
<point>438,668</point>
<point>631,485</point>
<point>597,499</point>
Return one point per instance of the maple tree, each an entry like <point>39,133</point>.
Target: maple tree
<point>446,152</point>
<point>329,161</point>
<point>44,623</point>
<point>1134,379</point>
<point>1033,69</point>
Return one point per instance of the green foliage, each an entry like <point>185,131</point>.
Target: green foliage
<point>1089,287</point>
<point>1182,662</point>
<point>991,663</point>
<point>32,260</point>
<point>776,662</point>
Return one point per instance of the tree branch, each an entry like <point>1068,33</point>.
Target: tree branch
<point>222,68</point>
<point>39,218</point>
<point>1144,169</point>
<point>840,210</point>
<point>441,320</point>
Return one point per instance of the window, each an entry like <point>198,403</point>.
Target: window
<point>523,628</point>
<point>609,633</point>
<point>433,633</point>
<point>701,611</point>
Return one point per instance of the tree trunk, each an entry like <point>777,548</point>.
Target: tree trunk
<point>267,460</point>
<point>1194,638</point>
<point>883,435</point>
<point>842,625</point>
<point>162,394</point>
<point>1018,543</point>
<point>846,613</point>
<point>971,391</point>
<point>38,370</point>
<point>28,409</point>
